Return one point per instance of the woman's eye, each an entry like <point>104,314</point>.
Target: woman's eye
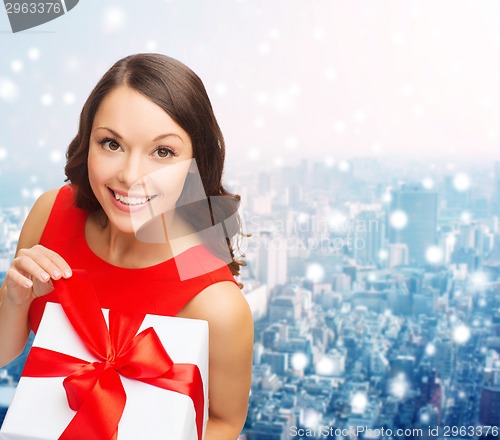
<point>164,152</point>
<point>110,144</point>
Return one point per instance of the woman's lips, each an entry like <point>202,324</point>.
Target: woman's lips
<point>135,206</point>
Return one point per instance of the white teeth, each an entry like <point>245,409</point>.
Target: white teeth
<point>131,200</point>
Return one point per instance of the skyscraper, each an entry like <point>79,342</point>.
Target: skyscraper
<point>271,260</point>
<point>456,199</point>
<point>368,237</point>
<point>413,220</point>
<point>489,410</point>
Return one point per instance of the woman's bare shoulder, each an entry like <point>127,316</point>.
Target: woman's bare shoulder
<point>222,304</point>
<point>37,219</point>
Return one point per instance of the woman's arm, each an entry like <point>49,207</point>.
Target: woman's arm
<point>14,307</point>
<point>230,360</point>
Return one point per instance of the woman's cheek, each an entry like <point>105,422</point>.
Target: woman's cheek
<point>102,168</point>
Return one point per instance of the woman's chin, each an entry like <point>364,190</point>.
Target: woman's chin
<point>121,225</point>
<point>154,230</point>
<point>145,223</point>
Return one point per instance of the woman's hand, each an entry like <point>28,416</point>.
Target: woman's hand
<point>30,274</point>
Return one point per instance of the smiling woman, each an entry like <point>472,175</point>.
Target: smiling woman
<point>144,172</point>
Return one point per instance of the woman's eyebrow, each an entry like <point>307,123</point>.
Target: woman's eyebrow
<point>109,129</point>
<point>161,136</point>
<point>157,138</point>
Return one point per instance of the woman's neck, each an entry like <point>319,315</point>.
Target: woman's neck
<point>149,245</point>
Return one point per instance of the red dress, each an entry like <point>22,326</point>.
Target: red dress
<point>156,289</point>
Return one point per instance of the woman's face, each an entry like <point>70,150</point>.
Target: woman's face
<point>138,159</point>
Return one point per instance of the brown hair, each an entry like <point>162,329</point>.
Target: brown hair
<point>182,95</point>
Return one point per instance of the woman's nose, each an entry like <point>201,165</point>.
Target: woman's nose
<point>131,171</point>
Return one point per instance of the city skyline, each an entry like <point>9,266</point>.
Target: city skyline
<point>354,327</point>
<point>381,344</point>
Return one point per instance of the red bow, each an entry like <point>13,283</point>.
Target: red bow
<point>94,389</point>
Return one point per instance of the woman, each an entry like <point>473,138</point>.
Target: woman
<point>147,134</point>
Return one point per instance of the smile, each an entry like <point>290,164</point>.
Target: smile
<point>131,201</point>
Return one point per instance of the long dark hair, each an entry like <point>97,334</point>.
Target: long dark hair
<point>181,93</point>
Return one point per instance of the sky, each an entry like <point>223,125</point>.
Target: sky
<point>288,79</point>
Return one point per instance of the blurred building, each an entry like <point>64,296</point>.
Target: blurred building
<point>369,232</point>
<point>271,259</point>
<point>420,207</point>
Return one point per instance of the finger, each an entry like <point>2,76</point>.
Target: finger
<point>27,266</point>
<point>43,259</point>
<point>40,289</point>
<point>56,260</point>
<point>13,276</point>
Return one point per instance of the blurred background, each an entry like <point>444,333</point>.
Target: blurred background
<point>363,138</point>
<point>288,79</point>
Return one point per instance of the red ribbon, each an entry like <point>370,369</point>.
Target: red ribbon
<point>94,389</point>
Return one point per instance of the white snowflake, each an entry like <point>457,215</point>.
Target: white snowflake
<point>312,419</point>
<point>299,361</point>
<point>383,254</point>
<point>114,18</point>
<point>337,220</point>
<point>466,217</point>
<point>387,197</point>
<point>461,334</point>
<point>221,88</point>
<point>46,99</point>
<point>151,46</point>
<point>434,255</point>
<point>430,349</point>
<point>399,386</point>
<point>461,182</point>
<point>253,154</point>
<point>274,33</point>
<point>325,366</point>
<point>315,272</point>
<point>398,219</point>
<point>16,66</point>
<point>69,98</point>
<point>329,161</point>
<point>359,402</point>
<point>8,89</point>
<point>428,183</point>
<point>479,280</point>
<point>344,166</point>
<point>33,54</point>
<point>37,192</point>
<point>56,156</point>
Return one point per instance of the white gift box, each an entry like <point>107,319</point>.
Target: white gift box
<point>40,408</point>
<point>17,437</point>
